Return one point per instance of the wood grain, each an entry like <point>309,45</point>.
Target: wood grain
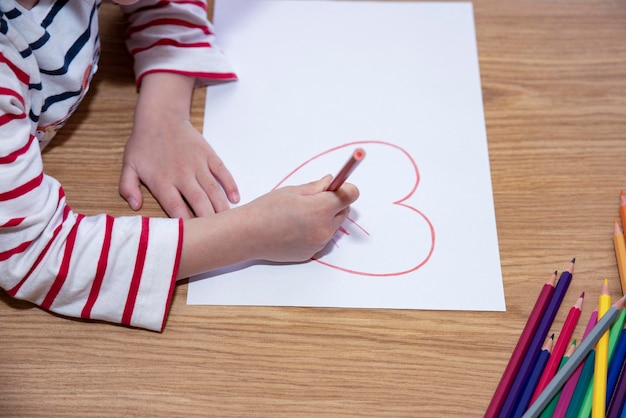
<point>554,89</point>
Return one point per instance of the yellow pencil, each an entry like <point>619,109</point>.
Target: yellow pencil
<point>598,408</point>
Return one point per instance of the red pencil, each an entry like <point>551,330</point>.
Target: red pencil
<point>561,345</point>
<point>351,164</point>
<point>521,348</point>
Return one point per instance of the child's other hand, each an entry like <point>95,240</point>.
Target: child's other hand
<point>170,157</point>
<point>179,167</point>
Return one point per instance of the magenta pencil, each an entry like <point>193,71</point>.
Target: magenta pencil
<point>561,345</point>
<point>348,168</point>
<point>568,389</point>
<point>521,348</point>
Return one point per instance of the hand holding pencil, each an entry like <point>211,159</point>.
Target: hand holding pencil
<point>289,224</point>
<point>355,159</point>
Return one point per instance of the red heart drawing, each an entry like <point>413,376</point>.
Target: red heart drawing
<point>384,236</point>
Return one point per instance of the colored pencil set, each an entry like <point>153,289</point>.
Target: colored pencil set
<point>562,377</point>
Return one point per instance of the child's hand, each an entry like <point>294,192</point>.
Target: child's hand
<point>167,154</point>
<point>293,223</point>
<point>290,224</point>
<point>179,167</point>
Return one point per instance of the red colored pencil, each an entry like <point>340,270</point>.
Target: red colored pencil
<point>497,401</point>
<point>570,386</point>
<point>561,345</point>
<point>351,164</point>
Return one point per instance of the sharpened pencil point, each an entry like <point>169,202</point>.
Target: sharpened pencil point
<point>582,294</point>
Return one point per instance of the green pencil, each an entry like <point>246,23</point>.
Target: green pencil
<point>586,406</point>
<point>585,379</point>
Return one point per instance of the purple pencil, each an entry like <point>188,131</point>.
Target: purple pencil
<point>616,407</point>
<point>568,389</point>
<point>617,401</point>
<point>616,364</point>
<point>519,384</point>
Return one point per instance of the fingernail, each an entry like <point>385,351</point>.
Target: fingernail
<point>133,203</point>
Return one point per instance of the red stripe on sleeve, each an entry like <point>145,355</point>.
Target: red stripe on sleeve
<point>66,211</point>
<point>100,270</point>
<point>136,279</point>
<point>171,42</point>
<point>65,266</point>
<point>208,76</point>
<point>13,156</point>
<point>12,222</point>
<point>10,117</point>
<point>5,255</point>
<point>8,92</point>
<point>23,189</point>
<point>179,251</point>
<point>168,21</point>
<point>163,4</point>
<point>21,75</point>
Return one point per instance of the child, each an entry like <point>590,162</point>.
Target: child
<point>124,269</point>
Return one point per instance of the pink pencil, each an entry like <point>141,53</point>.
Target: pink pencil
<point>348,168</point>
<point>561,345</point>
<point>570,386</point>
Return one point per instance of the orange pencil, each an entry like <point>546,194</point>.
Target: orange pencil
<point>620,251</point>
<point>622,207</point>
<point>351,164</point>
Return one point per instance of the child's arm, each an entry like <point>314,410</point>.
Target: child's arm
<point>172,44</point>
<point>98,267</point>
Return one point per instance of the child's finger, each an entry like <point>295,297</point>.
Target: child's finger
<point>130,187</point>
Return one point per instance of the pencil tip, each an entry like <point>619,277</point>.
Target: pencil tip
<point>552,336</point>
<point>574,260</point>
<point>582,294</point>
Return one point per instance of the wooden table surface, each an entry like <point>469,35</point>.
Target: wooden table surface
<point>554,85</point>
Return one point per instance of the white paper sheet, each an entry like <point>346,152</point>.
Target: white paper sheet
<point>401,80</point>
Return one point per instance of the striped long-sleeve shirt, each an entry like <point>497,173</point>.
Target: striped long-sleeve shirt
<point>121,269</point>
